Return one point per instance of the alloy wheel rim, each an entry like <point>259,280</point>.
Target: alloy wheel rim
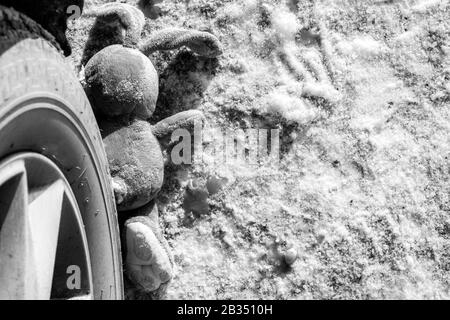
<point>44,251</point>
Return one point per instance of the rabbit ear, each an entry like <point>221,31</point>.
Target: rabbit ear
<point>131,17</point>
<point>116,23</point>
<point>202,43</point>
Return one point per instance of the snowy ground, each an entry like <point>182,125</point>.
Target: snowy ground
<point>361,93</point>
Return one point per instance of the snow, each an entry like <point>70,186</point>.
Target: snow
<point>361,95</point>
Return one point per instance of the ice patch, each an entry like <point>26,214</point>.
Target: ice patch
<point>423,6</point>
<point>364,46</point>
<point>290,108</point>
<point>285,24</point>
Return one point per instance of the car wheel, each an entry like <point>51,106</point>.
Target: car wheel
<point>59,236</point>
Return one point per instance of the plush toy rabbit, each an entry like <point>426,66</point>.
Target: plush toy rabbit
<point>122,84</point>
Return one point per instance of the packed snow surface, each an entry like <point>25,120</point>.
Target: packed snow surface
<point>360,91</point>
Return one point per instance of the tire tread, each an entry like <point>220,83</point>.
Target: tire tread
<point>15,26</point>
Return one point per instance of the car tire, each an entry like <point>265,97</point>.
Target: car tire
<point>46,120</point>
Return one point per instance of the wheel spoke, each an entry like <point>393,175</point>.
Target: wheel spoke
<point>16,262</point>
<point>41,233</point>
<point>44,212</point>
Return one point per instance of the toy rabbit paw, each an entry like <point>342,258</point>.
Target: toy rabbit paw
<point>148,262</point>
